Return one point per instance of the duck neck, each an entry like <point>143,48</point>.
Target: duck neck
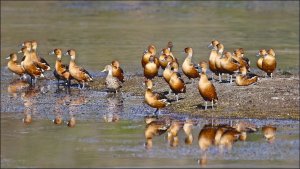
<point>58,58</point>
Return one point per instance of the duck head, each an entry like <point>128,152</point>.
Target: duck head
<point>271,52</point>
<point>213,44</point>
<point>115,63</point>
<point>71,53</point>
<point>13,57</point>
<point>261,52</point>
<point>220,48</point>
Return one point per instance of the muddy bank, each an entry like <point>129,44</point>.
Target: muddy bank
<point>276,98</point>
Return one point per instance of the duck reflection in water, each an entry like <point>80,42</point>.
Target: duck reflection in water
<point>113,108</point>
<point>269,132</point>
<point>17,86</point>
<point>155,128</point>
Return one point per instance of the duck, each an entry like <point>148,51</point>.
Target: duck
<point>173,130</point>
<point>117,71</point>
<point>153,99</point>
<point>78,73</point>
<point>112,83</point>
<point>187,128</point>
<point>27,118</point>
<point>188,68</point>
<point>13,65</point>
<point>229,65</point>
<point>146,56</point>
<point>269,132</point>
<point>206,89</point>
<point>238,55</point>
<point>71,122</point>
<point>58,120</point>
<point>40,59</point>
<point>243,80</point>
<point>212,56</point>
<point>61,71</point>
<point>269,62</point>
<point>167,72</point>
<point>177,84</point>
<point>219,70</point>
<point>154,128</point>
<point>30,67</point>
<point>260,55</point>
<point>164,58</point>
<point>150,69</point>
<point>206,137</point>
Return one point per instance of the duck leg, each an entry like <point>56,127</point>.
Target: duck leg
<point>155,113</point>
<point>212,104</point>
<point>205,105</point>
<point>176,97</point>
<point>220,77</point>
<point>170,91</point>
<point>230,79</point>
<point>82,85</point>
<point>271,75</point>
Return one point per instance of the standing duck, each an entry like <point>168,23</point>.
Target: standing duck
<point>177,84</point>
<point>212,57</point>
<point>238,55</point>
<point>61,71</point>
<point>153,99</point>
<point>260,55</point>
<point>188,68</point>
<point>243,79</point>
<point>147,54</point>
<point>112,83</point>
<point>34,50</point>
<point>219,70</point>
<point>150,69</point>
<point>206,88</point>
<point>13,65</point>
<point>30,67</point>
<point>269,62</point>
<point>117,71</point>
<point>164,58</point>
<point>229,65</point>
<point>77,72</point>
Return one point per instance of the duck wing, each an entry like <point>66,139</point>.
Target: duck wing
<point>85,71</point>
<point>44,61</point>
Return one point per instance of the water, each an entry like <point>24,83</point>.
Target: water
<point>103,31</point>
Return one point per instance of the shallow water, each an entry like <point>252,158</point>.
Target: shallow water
<point>102,31</point>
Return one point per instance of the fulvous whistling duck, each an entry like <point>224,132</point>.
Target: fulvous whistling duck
<point>213,56</point>
<point>150,70</point>
<point>111,82</point>
<point>219,70</point>
<point>27,118</point>
<point>61,71</point>
<point>170,46</point>
<point>173,132</point>
<point>165,58</point>
<point>187,128</point>
<point>229,65</point>
<point>206,137</point>
<point>77,72</point>
<point>34,50</point>
<point>269,132</point>
<point>29,66</point>
<point>175,62</point>
<point>71,122</point>
<point>154,100</point>
<point>13,65</point>
<point>206,88</point>
<point>177,84</point>
<point>260,55</point>
<point>238,55</point>
<point>146,57</point>
<point>167,72</point>
<point>154,128</point>
<point>188,68</point>
<point>58,120</point>
<point>243,80</point>
<point>269,62</point>
<point>117,71</point>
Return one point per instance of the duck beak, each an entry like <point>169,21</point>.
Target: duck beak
<point>104,70</point>
<point>210,45</point>
<point>7,58</point>
<point>21,45</point>
<point>257,55</point>
<point>19,51</point>
<point>51,53</point>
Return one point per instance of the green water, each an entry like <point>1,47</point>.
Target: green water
<point>103,31</point>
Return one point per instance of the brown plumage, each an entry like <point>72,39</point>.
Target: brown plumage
<point>269,62</point>
<point>154,128</point>
<point>187,128</point>
<point>213,56</point>
<point>27,119</point>
<point>153,99</point>
<point>117,71</point>
<point>229,137</point>
<point>77,72</point>
<point>173,132</point>
<point>150,69</point>
<point>71,122</point>
<point>61,71</point>
<point>219,70</point>
<point>243,80</point>
<point>206,88</point>
<point>165,58</point>
<point>229,65</point>
<point>177,84</point>
<point>206,137</point>
<point>167,73</point>
<point>238,55</point>
<point>13,65</point>
<point>146,56</point>
<point>188,68</point>
<point>269,132</point>
<point>29,66</point>
<point>58,120</point>
<point>260,55</point>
